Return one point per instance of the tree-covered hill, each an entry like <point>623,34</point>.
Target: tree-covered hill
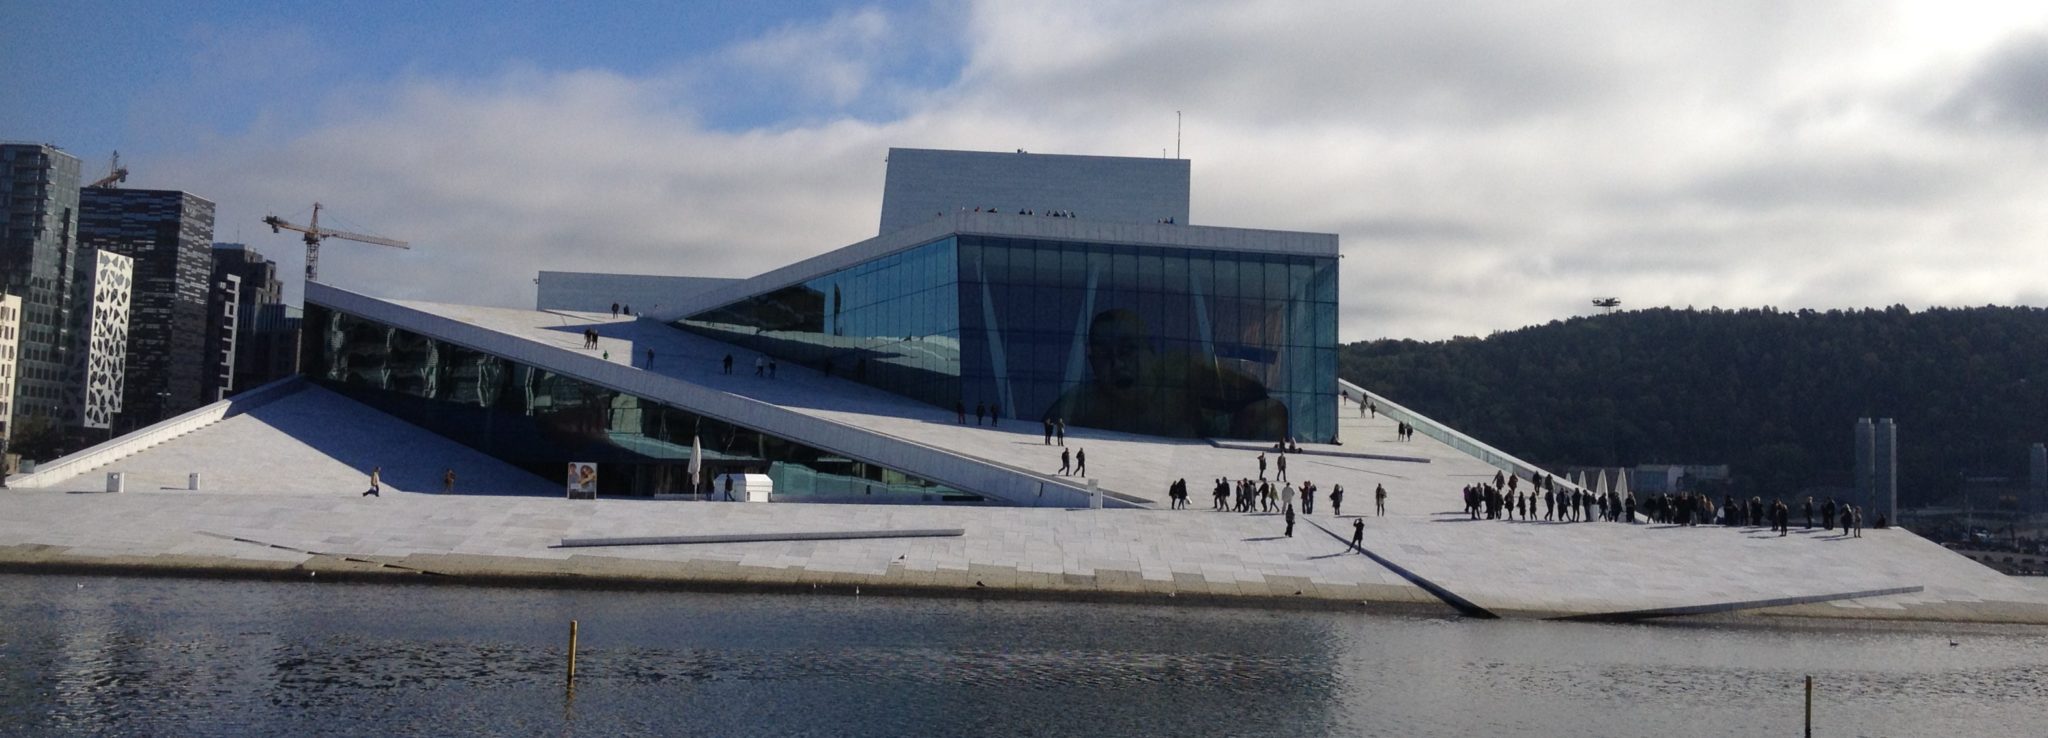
<point>1774,394</point>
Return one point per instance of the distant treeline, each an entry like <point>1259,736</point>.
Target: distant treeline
<point>1774,394</point>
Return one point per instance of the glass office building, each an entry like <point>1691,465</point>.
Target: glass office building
<point>1158,340</point>
<point>541,420</point>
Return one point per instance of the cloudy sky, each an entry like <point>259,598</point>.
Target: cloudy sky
<point>1488,165</point>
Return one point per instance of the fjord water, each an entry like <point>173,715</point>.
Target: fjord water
<point>145,656</point>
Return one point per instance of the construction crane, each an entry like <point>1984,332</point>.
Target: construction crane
<point>1607,302</point>
<point>115,174</point>
<point>315,234</point>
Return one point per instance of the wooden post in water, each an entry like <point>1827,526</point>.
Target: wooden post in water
<point>1809,706</point>
<point>572,654</point>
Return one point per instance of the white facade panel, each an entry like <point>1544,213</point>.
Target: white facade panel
<point>925,183</point>
<point>105,340</point>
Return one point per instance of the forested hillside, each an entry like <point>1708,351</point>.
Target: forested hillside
<point>1774,394</point>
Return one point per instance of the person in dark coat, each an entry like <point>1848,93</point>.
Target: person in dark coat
<point>1289,513</point>
<point>1337,500</point>
<point>1080,462</point>
<point>1066,461</point>
<point>1358,534</point>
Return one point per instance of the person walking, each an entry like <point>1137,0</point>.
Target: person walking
<point>650,358</point>
<point>760,366</point>
<point>1262,466</point>
<point>1358,534</point>
<point>960,409</point>
<point>1280,468</point>
<point>448,482</point>
<point>1059,431</point>
<point>1287,496</point>
<point>728,363</point>
<point>1065,461</point>
<point>1080,462</point>
<point>376,482</point>
<point>1379,500</point>
<point>1289,513</point>
<point>771,368</point>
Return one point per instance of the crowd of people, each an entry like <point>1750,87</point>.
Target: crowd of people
<point>1506,498</point>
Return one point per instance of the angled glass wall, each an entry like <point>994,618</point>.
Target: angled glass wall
<point>892,322</point>
<point>540,421</point>
<point>1143,339</point>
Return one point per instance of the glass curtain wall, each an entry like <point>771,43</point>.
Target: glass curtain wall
<point>540,420</point>
<point>1153,340</point>
<point>892,323</point>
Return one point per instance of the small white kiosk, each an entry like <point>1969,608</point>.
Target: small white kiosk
<point>742,487</point>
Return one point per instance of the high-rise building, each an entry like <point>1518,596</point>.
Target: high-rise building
<point>169,234</point>
<point>254,361</point>
<point>223,328</point>
<point>103,295</point>
<point>268,349</point>
<point>39,206</point>
<point>10,343</point>
<point>260,285</point>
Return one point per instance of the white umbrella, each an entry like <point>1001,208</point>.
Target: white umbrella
<point>1595,486</point>
<point>696,465</point>
<point>1621,483</point>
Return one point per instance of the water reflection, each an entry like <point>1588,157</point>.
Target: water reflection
<point>172,657</point>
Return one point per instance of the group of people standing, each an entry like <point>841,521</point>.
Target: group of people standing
<point>1504,499</point>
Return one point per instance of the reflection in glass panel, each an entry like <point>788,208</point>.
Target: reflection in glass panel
<point>877,323</point>
<point>1157,340</point>
<point>540,421</point>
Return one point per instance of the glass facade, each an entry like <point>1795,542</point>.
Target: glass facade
<point>893,322</point>
<point>540,420</point>
<point>1142,339</point>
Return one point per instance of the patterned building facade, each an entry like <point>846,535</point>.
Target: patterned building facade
<point>169,234</point>
<point>105,291</point>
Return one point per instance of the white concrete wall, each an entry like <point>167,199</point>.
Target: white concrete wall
<point>924,182</point>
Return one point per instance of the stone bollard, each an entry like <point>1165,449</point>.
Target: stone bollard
<point>192,481</point>
<point>117,482</point>
<point>1094,496</point>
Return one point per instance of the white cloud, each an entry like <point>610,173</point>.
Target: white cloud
<point>1488,165</point>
